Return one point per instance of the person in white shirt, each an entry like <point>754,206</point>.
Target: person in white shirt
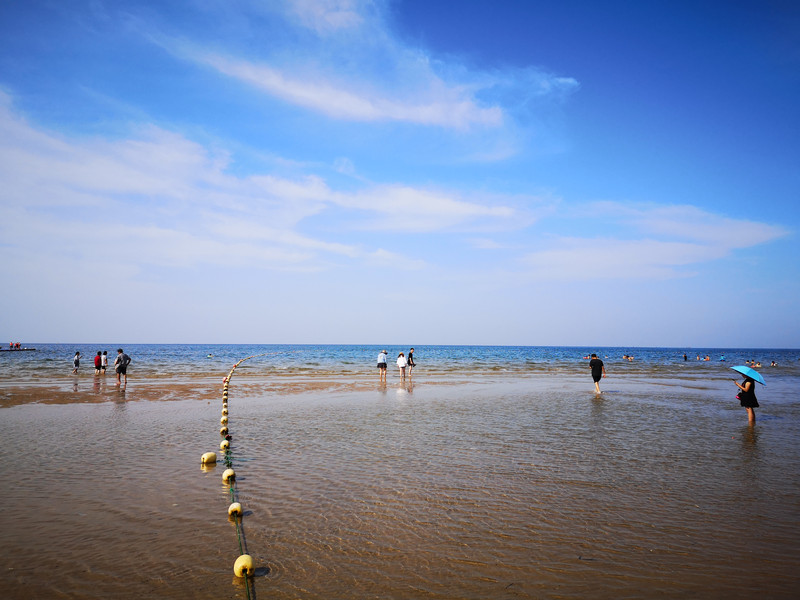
<point>382,365</point>
<point>401,363</point>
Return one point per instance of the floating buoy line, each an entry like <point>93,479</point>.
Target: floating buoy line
<point>243,566</point>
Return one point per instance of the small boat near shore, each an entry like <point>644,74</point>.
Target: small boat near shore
<point>17,349</point>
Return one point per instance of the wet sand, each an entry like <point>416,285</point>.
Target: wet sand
<point>490,487</point>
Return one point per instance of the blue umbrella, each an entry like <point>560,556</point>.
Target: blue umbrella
<point>752,373</point>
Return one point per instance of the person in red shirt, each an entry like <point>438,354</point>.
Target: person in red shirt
<point>98,361</point>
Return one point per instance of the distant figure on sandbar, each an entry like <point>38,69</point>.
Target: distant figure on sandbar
<point>98,362</point>
<point>76,362</point>
<point>410,361</point>
<point>747,397</point>
<point>401,364</point>
<point>382,365</point>
<point>121,366</point>
<point>598,371</point>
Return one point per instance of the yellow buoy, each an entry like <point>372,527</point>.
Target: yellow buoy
<point>235,509</point>
<point>224,445</point>
<point>223,420</point>
<point>243,566</point>
<point>228,475</point>
<point>224,411</point>
<point>208,457</point>
<point>223,431</point>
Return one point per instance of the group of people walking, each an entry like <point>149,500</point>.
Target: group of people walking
<point>403,362</point>
<point>101,364</point>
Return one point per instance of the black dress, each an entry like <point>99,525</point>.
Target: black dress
<point>748,398</point>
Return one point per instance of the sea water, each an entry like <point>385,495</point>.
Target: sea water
<point>178,360</point>
<point>489,473</point>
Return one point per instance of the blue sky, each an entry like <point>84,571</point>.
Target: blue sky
<point>408,172</point>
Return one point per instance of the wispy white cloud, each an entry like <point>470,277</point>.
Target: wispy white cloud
<point>572,259</point>
<point>324,16</point>
<point>385,258</point>
<point>168,201</point>
<point>411,209</point>
<point>165,200</point>
<point>486,244</point>
<point>693,223</point>
<point>445,107</point>
<point>344,61</point>
<point>663,242</point>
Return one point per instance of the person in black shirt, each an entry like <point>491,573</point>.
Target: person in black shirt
<point>598,371</point>
<point>747,397</point>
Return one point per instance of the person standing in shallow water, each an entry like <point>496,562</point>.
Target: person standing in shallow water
<point>598,371</point>
<point>76,362</point>
<point>121,366</point>
<point>401,364</point>
<point>747,397</point>
<point>410,361</point>
<point>382,365</point>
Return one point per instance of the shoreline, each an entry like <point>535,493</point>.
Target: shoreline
<point>156,388</point>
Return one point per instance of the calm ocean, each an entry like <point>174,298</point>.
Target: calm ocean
<point>159,360</point>
<point>495,472</point>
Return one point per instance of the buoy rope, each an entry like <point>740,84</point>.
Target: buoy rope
<point>232,487</point>
<point>228,458</point>
<point>243,567</point>
<point>239,531</point>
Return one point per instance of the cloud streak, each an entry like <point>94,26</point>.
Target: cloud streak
<point>447,107</point>
<point>171,202</point>
<point>663,242</point>
<point>345,63</point>
<point>168,201</point>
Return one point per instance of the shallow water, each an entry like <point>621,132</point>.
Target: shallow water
<point>153,362</point>
<point>505,486</point>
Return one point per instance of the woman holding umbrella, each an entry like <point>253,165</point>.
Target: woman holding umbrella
<point>747,395</point>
